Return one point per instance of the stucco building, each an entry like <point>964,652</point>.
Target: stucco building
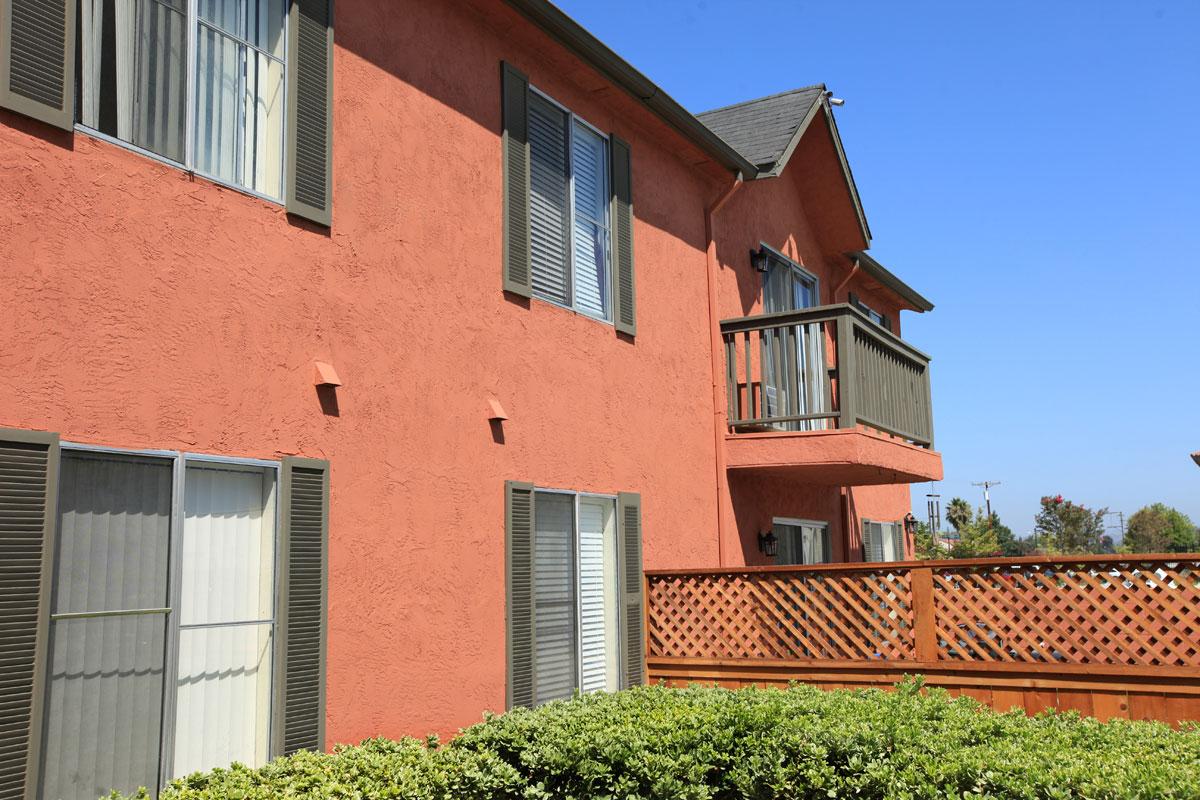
<point>350,387</point>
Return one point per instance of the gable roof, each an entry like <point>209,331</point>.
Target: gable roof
<point>764,130</point>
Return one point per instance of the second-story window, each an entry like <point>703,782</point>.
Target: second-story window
<point>569,210</point>
<point>197,82</point>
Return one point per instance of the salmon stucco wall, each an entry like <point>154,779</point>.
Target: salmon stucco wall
<point>144,307</point>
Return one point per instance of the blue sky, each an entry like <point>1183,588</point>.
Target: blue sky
<point>1031,167</point>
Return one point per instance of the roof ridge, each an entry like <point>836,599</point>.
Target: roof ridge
<point>819,86</point>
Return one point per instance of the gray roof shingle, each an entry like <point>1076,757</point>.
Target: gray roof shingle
<point>762,129</point>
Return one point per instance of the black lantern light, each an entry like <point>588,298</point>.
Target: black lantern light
<point>768,543</point>
<point>910,524</point>
<point>760,259</point>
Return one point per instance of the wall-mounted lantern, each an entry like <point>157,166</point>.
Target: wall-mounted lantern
<point>760,259</point>
<point>768,543</point>
<point>910,524</point>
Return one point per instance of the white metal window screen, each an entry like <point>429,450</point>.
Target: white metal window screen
<point>226,619</point>
<point>108,627</point>
<point>597,595</point>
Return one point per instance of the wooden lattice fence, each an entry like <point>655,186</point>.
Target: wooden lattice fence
<point>1078,632</point>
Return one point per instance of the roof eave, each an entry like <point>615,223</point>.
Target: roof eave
<point>890,281</point>
<point>573,36</point>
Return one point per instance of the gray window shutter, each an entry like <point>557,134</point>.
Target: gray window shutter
<point>629,538</point>
<point>854,301</point>
<point>625,305</point>
<point>518,524</point>
<point>303,606</point>
<point>514,96</point>
<point>37,59</point>
<point>826,546</point>
<point>28,508</point>
<point>886,321</point>
<point>310,110</point>
<point>872,546</point>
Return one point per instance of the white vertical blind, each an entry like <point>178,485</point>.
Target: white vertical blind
<point>555,669</point>
<point>589,171</point>
<point>226,619</point>
<point>549,223</point>
<point>597,595</point>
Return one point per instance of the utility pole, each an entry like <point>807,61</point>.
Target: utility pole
<point>987,497</point>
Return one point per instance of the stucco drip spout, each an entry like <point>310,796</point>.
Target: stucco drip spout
<point>714,327</point>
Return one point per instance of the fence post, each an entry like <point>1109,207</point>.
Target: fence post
<point>846,372</point>
<point>924,624</point>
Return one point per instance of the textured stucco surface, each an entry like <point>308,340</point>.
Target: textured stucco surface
<point>142,307</point>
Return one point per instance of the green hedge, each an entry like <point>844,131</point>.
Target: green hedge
<point>688,744</point>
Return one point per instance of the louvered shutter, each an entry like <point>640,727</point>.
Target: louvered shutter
<point>872,541</point>
<point>514,140</point>
<point>310,110</point>
<point>303,606</point>
<point>518,524</point>
<point>625,302</point>
<point>549,201</point>
<point>826,546</point>
<point>37,59</point>
<point>629,537</point>
<point>886,321</point>
<point>28,506</point>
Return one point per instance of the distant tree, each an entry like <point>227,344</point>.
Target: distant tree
<point>925,545</point>
<point>1008,543</point>
<point>979,536</point>
<point>958,513</point>
<point>1158,528</point>
<point>1065,527</point>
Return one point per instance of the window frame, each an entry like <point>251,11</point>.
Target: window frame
<point>572,119</point>
<point>616,578</point>
<point>188,165</point>
<point>179,463</point>
<point>891,525</point>
<point>875,316</point>
<point>795,522</point>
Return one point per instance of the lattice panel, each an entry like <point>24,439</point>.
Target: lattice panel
<point>800,615</point>
<point>1119,612</point>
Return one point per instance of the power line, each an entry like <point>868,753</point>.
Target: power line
<point>987,497</point>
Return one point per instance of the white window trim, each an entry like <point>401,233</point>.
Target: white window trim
<point>180,461</point>
<point>812,523</point>
<point>618,644</point>
<point>881,522</point>
<point>572,118</point>
<point>189,113</point>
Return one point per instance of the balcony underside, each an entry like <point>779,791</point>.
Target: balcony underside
<point>833,458</point>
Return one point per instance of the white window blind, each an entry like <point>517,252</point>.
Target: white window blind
<point>883,541</point>
<point>597,595</point>
<point>549,195</point>
<point>226,612</point>
<point>802,542</point>
<point>554,596</point>
<point>589,168</point>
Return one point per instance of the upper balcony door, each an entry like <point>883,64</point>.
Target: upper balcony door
<point>793,364</point>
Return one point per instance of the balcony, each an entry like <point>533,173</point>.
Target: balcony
<point>827,396</point>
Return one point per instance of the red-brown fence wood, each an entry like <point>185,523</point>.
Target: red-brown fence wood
<point>1108,636</point>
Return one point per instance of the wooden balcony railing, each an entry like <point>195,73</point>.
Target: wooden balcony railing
<point>822,368</point>
<point>1036,632</point>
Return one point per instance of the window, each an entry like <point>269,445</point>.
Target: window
<point>197,82</point>
<point>162,621</point>
<point>873,315</point>
<point>573,592</point>
<point>569,210</point>
<point>883,541</point>
<point>802,542</point>
<point>575,595</point>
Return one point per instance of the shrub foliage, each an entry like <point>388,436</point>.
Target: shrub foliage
<point>714,744</point>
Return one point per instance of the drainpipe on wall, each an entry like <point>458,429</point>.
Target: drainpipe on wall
<point>718,372</point>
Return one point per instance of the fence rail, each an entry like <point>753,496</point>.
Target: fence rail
<point>1042,627</point>
<point>824,367</point>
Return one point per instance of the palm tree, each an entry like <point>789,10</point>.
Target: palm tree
<point>959,513</point>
